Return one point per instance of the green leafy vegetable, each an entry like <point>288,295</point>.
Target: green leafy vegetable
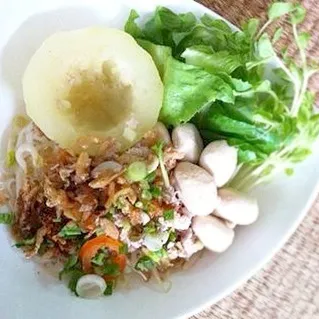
<point>168,214</point>
<point>109,288</point>
<point>213,62</point>
<point>278,9</point>
<point>157,256</point>
<point>151,177</point>
<point>303,40</point>
<point>188,89</point>
<point>74,275</point>
<point>111,269</point>
<point>155,191</point>
<point>277,35</point>
<point>25,242</point>
<point>69,265</point>
<point>99,258</point>
<point>6,218</point>
<point>70,230</point>
<point>131,26</point>
<point>72,272</point>
<point>250,28</point>
<point>150,228</point>
<point>159,53</point>
<point>145,264</point>
<point>161,26</point>
<point>149,261</point>
<point>265,48</point>
<point>220,80</point>
<point>216,24</point>
<point>172,236</point>
<point>298,15</point>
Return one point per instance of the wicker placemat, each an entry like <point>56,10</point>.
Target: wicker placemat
<point>288,286</point>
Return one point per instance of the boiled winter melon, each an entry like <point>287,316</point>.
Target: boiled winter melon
<point>92,82</point>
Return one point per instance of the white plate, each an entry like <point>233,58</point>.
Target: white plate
<point>27,292</point>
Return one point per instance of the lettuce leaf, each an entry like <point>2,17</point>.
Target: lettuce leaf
<point>159,53</point>
<point>188,89</point>
<point>132,27</point>
<point>162,26</point>
<point>214,62</point>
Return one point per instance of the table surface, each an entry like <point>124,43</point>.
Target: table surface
<point>288,286</point>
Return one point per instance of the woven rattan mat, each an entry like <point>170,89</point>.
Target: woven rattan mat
<point>288,286</point>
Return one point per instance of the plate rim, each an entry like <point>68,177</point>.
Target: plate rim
<point>284,238</point>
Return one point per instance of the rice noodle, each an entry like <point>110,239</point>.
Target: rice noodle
<point>23,151</point>
<point>25,135</point>
<point>19,180</point>
<point>165,284</point>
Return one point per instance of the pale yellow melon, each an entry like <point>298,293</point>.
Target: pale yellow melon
<point>92,82</point>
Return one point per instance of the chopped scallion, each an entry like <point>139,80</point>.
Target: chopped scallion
<point>111,270</point>
<point>98,259</point>
<point>136,171</point>
<point>6,218</point>
<point>70,263</point>
<point>11,158</point>
<point>109,288</point>
<point>25,242</point>
<point>70,230</point>
<point>156,191</point>
<point>151,177</point>
<point>172,236</point>
<point>139,204</point>
<point>146,194</point>
<point>123,249</point>
<point>168,214</point>
<point>145,263</point>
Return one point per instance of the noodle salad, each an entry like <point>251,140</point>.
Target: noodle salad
<point>116,171</point>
